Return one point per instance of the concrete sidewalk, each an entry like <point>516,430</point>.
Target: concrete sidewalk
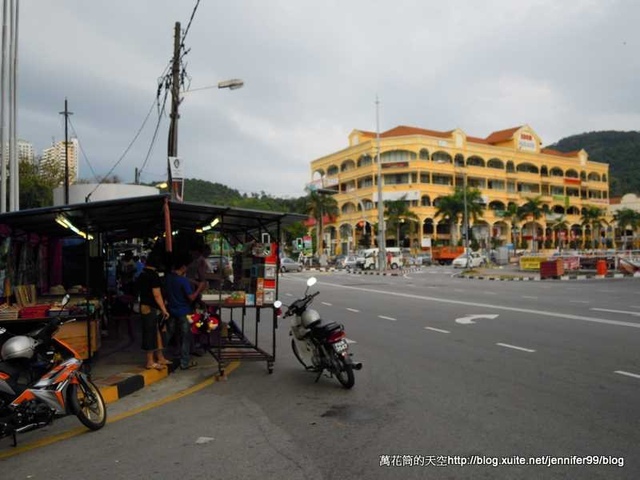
<point>118,369</point>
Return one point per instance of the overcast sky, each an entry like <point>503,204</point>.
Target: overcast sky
<point>312,70</point>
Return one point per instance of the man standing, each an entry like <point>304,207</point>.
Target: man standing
<point>180,296</point>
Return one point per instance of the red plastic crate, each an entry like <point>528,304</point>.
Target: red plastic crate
<point>34,311</point>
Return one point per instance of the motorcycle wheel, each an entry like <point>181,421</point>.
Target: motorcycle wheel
<point>88,405</point>
<point>344,371</point>
<point>294,347</point>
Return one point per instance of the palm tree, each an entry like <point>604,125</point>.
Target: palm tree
<point>318,205</point>
<point>592,217</point>
<point>512,215</point>
<point>559,225</point>
<point>397,211</point>
<point>627,217</point>
<point>533,209</point>
<point>451,209</point>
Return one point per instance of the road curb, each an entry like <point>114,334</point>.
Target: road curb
<point>504,278</point>
<point>122,384</point>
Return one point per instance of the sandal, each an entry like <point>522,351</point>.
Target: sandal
<point>192,364</point>
<point>155,366</point>
<point>165,362</point>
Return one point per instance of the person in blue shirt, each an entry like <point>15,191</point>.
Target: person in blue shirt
<point>180,298</point>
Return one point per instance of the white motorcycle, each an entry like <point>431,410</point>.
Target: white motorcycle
<point>319,346</point>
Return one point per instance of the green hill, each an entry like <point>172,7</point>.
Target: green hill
<point>621,150</point>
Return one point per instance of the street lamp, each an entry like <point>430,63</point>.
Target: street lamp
<point>233,84</point>
<point>382,254</point>
<point>466,218</point>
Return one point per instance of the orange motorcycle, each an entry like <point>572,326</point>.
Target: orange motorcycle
<point>41,379</point>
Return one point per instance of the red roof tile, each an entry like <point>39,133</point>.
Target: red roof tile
<point>502,135</point>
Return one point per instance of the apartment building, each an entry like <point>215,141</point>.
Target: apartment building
<point>56,154</point>
<point>25,151</point>
<point>422,166</point>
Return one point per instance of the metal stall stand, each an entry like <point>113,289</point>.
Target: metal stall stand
<point>104,222</point>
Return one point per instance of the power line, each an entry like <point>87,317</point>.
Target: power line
<point>73,129</point>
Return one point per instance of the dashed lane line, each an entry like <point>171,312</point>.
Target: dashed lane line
<point>387,318</point>
<point>439,330</point>
<point>514,347</point>
<point>616,311</point>
<point>353,310</point>
<point>627,374</point>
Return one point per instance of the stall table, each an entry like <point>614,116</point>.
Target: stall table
<point>234,339</point>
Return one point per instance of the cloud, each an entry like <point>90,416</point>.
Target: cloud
<point>312,71</point>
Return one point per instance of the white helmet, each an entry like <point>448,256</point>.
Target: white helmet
<point>310,318</point>
<point>18,347</point>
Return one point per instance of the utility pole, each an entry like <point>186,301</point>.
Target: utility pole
<point>175,103</point>
<point>66,114</point>
<point>382,254</point>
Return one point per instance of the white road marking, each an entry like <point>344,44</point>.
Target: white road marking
<point>530,296</point>
<point>327,304</point>
<point>490,293</point>
<point>348,340</point>
<point>469,319</point>
<point>289,294</point>
<point>506,345</point>
<point>578,301</point>
<point>353,310</point>
<point>387,318</point>
<point>628,374</point>
<point>616,311</point>
<point>543,313</point>
<point>437,330</point>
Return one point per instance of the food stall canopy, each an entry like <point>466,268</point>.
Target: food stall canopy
<point>141,217</point>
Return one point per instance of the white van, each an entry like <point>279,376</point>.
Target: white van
<point>371,258</point>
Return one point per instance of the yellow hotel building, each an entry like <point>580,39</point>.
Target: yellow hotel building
<point>421,166</point>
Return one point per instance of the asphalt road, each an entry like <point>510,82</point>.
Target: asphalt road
<point>454,371</point>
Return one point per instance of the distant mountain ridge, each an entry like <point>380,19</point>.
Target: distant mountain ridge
<point>621,150</point>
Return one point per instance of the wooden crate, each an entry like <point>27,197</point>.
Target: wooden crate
<point>75,334</point>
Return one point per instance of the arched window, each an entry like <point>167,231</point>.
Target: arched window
<point>544,171</point>
<point>556,172</point>
<point>475,161</point>
<point>558,209</point>
<point>441,157</point>
<point>348,207</point>
<point>394,156</point>
<point>364,160</point>
<point>571,173</point>
<point>458,161</point>
<point>424,154</point>
<point>495,163</point>
<point>510,167</point>
<point>332,170</point>
<point>496,205</point>
<point>347,165</point>
<point>594,177</point>
<point>425,201</point>
<point>583,175</point>
<point>527,168</point>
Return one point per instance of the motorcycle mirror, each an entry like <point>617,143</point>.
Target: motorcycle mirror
<point>65,299</point>
<point>311,281</point>
<point>277,304</point>
<point>3,330</point>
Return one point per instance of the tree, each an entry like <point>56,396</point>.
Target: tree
<point>627,217</point>
<point>592,217</point>
<point>533,209</point>
<point>396,212</point>
<point>36,185</point>
<point>318,205</point>
<point>451,209</point>
<point>512,215</point>
<point>559,225</point>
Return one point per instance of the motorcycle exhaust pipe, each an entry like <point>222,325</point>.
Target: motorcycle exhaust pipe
<point>357,366</point>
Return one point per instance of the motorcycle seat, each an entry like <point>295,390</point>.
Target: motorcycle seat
<point>328,328</point>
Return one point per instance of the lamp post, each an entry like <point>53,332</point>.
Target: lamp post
<point>382,254</point>
<point>466,218</point>
<point>172,152</point>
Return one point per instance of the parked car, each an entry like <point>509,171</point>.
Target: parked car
<point>424,259</point>
<point>349,262</point>
<point>473,260</point>
<point>289,265</point>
